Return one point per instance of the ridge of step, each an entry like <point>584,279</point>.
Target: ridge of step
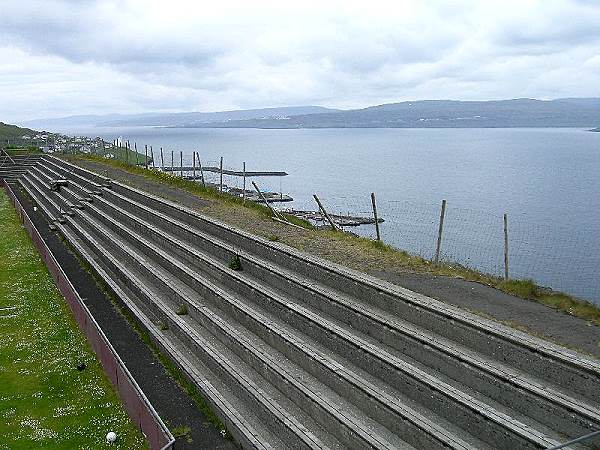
<point>306,388</point>
<point>542,389</point>
<point>263,392</point>
<point>513,376</point>
<point>233,412</point>
<point>374,350</point>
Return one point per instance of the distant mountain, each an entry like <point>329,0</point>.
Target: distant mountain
<point>568,112</point>
<point>8,131</point>
<point>179,119</point>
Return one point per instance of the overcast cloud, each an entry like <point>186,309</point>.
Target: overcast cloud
<point>94,57</point>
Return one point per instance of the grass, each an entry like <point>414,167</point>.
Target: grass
<point>366,254</point>
<point>45,402</point>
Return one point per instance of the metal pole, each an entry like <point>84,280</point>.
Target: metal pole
<point>221,171</point>
<point>331,222</point>
<point>505,246</point>
<point>162,159</point>
<point>375,215</point>
<point>440,231</point>
<point>244,183</point>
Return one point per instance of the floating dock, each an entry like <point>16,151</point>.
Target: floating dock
<point>235,173</point>
<point>341,220</point>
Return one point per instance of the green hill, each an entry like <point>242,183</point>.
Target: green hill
<point>12,136</point>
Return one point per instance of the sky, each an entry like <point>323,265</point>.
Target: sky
<point>74,57</point>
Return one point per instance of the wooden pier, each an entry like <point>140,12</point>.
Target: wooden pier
<point>341,220</point>
<point>235,173</point>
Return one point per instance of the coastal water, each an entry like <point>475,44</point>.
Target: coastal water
<point>546,180</point>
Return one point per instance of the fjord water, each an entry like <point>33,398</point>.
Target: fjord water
<point>545,179</point>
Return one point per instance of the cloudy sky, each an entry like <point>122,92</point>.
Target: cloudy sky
<point>93,57</point>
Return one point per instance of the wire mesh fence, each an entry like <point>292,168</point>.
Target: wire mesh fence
<point>559,256</point>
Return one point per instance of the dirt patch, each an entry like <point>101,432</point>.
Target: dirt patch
<point>396,267</point>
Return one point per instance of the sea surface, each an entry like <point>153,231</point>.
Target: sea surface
<point>547,181</point>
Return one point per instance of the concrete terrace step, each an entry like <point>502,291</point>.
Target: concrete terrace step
<point>455,355</point>
<point>305,308</point>
<point>300,385</point>
<point>269,328</point>
<point>377,354</point>
<point>240,420</point>
<point>293,426</point>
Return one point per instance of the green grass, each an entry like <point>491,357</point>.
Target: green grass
<point>45,402</point>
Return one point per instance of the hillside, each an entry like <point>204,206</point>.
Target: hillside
<point>177,119</point>
<point>443,114</point>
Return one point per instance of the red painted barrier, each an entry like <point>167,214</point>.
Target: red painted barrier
<point>137,405</point>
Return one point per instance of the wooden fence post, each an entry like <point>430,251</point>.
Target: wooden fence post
<point>244,183</point>
<point>440,232</point>
<point>375,215</point>
<point>201,171</point>
<point>172,163</point>
<point>162,160</point>
<point>505,246</point>
<point>221,176</point>
<point>152,157</point>
<point>194,166</point>
<point>331,222</point>
<point>137,155</point>
<point>265,200</point>
<point>181,163</point>
<point>146,156</point>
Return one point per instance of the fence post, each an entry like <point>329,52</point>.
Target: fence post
<point>181,163</point>
<point>265,200</point>
<point>505,246</point>
<point>194,167</point>
<point>331,222</point>
<point>221,175</point>
<point>152,157</point>
<point>375,215</point>
<point>146,156</point>
<point>440,231</point>
<point>137,155</point>
<point>172,163</point>
<point>201,171</point>
<point>244,183</point>
<point>127,150</point>
<point>162,160</point>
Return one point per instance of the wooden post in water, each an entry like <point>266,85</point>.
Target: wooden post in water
<point>375,215</point>
<point>505,246</point>
<point>152,157</point>
<point>201,171</point>
<point>162,159</point>
<point>146,156</point>
<point>244,183</point>
<point>331,222</point>
<point>181,163</point>
<point>221,178</point>
<point>440,231</point>
<point>194,166</point>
